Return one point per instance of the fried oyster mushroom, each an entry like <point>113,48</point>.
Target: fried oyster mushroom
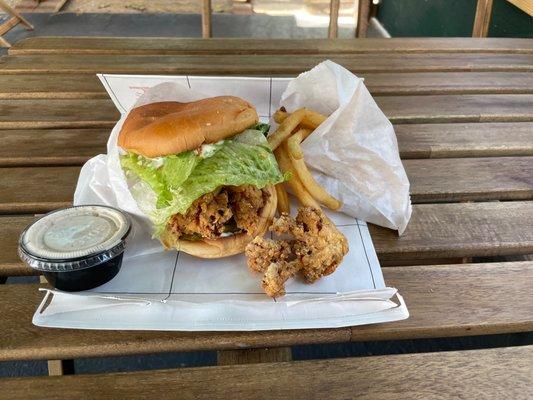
<point>277,274</point>
<point>316,249</point>
<point>262,252</point>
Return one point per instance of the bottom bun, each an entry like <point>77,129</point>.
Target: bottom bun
<point>224,246</point>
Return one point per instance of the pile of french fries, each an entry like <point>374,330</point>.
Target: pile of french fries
<point>293,129</point>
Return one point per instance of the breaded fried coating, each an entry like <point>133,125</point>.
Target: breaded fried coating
<point>211,214</point>
<point>316,249</point>
<point>261,252</point>
<point>206,217</point>
<point>285,224</point>
<point>322,246</point>
<point>246,202</point>
<point>277,274</point>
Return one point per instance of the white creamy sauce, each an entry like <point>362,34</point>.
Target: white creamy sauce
<point>207,150</point>
<point>157,162</point>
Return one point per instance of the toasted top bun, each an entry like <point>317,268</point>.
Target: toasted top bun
<point>161,129</point>
<point>224,246</point>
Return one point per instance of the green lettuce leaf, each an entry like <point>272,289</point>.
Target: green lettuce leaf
<point>177,168</point>
<point>146,170</point>
<point>261,127</point>
<point>180,179</point>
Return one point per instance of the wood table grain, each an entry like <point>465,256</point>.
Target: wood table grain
<point>74,146</point>
<point>64,86</point>
<point>262,64</point>
<point>444,301</point>
<point>462,110</point>
<point>237,46</point>
<point>487,374</point>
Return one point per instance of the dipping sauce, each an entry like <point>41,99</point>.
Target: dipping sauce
<point>76,248</point>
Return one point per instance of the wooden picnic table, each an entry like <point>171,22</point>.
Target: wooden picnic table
<point>463,113</point>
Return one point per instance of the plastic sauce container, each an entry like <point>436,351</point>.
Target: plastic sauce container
<point>76,248</point>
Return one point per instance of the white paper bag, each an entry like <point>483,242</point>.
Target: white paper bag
<point>354,153</point>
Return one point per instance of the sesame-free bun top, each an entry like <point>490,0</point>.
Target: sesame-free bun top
<point>164,128</point>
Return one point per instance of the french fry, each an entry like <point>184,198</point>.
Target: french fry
<point>296,185</point>
<point>280,115</point>
<point>311,120</point>
<point>313,188</point>
<point>291,158</point>
<point>314,119</point>
<point>283,199</point>
<point>296,158</point>
<point>293,143</point>
<point>286,127</point>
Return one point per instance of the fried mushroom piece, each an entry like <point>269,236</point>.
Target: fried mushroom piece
<point>261,252</point>
<point>322,246</point>
<point>316,250</point>
<point>277,274</point>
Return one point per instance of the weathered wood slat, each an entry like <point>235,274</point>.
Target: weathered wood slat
<point>463,179</point>
<point>452,179</point>
<point>75,146</point>
<point>80,113</point>
<point>465,140</point>
<point>261,64</point>
<point>36,190</point>
<point>482,18</point>
<point>37,86</point>
<point>51,147</point>
<point>107,45</point>
<point>61,86</point>
<point>488,374</point>
<point>8,24</point>
<point>10,230</point>
<point>448,83</point>
<point>457,108</point>
<point>54,113</point>
<point>523,5</point>
<point>206,19</point>
<point>333,28</point>
<point>364,10</point>
<point>436,231</point>
<point>451,300</point>
<point>459,230</point>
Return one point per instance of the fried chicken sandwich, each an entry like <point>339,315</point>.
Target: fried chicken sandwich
<point>202,171</point>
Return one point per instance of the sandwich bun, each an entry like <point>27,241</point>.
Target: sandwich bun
<point>224,246</point>
<point>165,128</point>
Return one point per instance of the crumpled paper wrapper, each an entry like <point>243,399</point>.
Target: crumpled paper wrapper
<point>354,153</point>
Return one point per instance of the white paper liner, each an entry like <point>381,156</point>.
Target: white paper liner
<point>157,290</point>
